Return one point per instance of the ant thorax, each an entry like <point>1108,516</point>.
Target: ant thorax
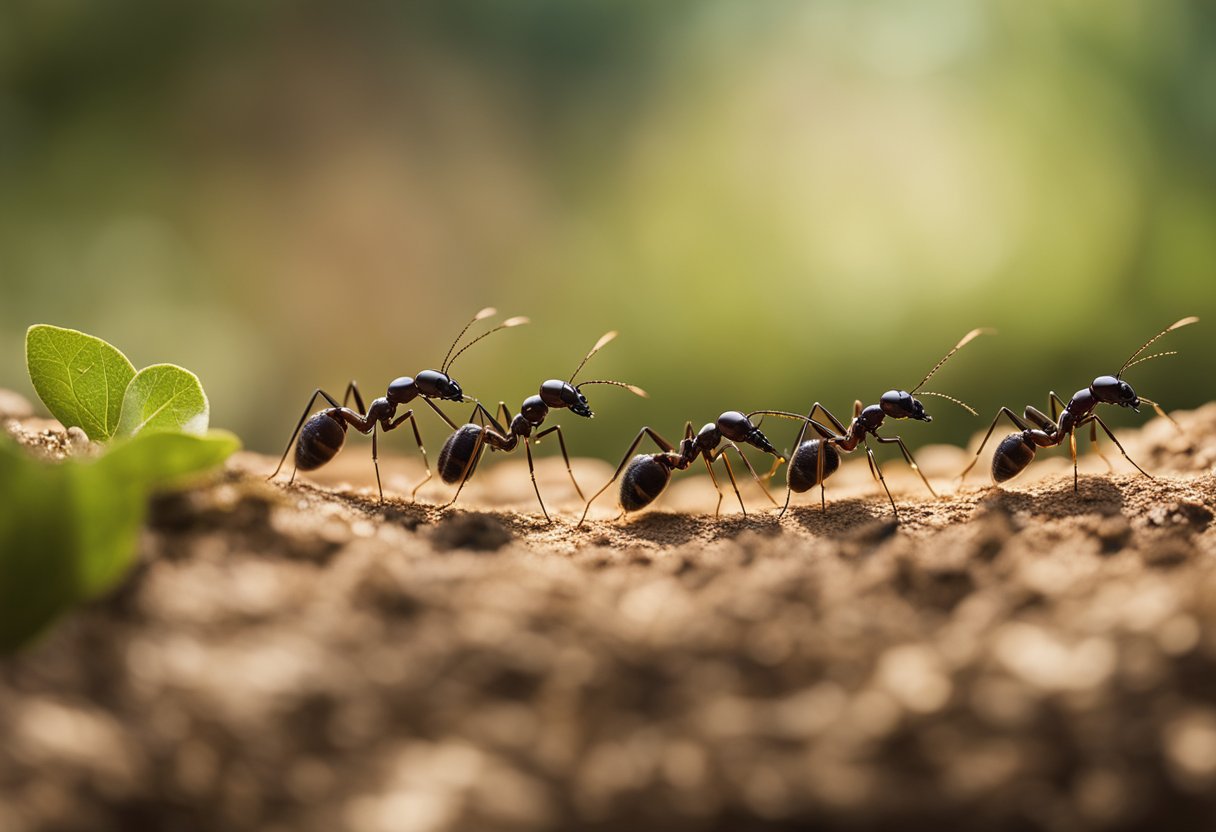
<point>534,410</point>
<point>869,420</point>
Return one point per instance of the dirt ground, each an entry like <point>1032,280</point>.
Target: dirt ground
<point>301,658</point>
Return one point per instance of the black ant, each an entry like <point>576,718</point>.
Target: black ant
<point>647,475</point>
<point>814,460</point>
<point>462,451</point>
<point>323,435</point>
<point>1017,450</point>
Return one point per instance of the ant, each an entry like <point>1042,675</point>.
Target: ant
<point>324,433</point>
<point>462,451</point>
<point>647,475</point>
<point>814,460</point>
<point>1017,450</point>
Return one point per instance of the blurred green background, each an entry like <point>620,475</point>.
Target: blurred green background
<point>773,202</point>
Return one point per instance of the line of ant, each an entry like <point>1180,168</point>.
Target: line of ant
<point>646,476</point>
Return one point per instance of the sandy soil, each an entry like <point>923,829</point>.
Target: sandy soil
<point>305,659</point>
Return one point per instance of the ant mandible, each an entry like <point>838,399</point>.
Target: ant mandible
<point>647,475</point>
<point>1017,450</point>
<point>814,460</point>
<point>463,449</point>
<point>323,435</point>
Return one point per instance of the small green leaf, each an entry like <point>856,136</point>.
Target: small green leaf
<point>69,531</point>
<point>164,397</point>
<point>80,379</point>
<point>123,477</point>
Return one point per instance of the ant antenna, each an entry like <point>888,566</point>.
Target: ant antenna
<point>1148,358</point>
<point>604,339</point>
<point>958,402</point>
<point>968,338</point>
<point>507,324</point>
<point>632,388</point>
<point>485,313</point>
<point>1175,325</point>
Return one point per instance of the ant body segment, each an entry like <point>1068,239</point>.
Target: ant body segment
<point>463,449</point>
<point>814,460</point>
<point>323,434</point>
<point>647,475</point>
<point>1017,450</point>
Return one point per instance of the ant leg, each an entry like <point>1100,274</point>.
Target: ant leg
<point>376,461</point>
<point>561,441</point>
<point>296,432</point>
<point>821,473</point>
<point>908,456</point>
<point>730,473</point>
<point>759,481</point>
<point>633,446</point>
<point>836,423</point>
<point>1004,411</point>
<point>487,419</point>
<point>1033,414</point>
<point>873,470</point>
<point>1108,432</point>
<point>1056,404</point>
<point>393,425</point>
<point>532,474</point>
<point>442,415</point>
<point>353,389</point>
<point>881,479</point>
<point>714,478</point>
<point>409,414</point>
<point>1093,441</point>
<point>1072,448</point>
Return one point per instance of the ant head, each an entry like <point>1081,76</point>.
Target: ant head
<point>436,385</point>
<point>568,394</point>
<point>1113,390</point>
<point>899,404</point>
<point>735,426</point>
<point>558,393</point>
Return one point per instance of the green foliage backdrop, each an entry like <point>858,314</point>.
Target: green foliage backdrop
<point>774,203</point>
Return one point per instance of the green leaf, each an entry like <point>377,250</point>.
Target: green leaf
<point>80,379</point>
<point>163,397</point>
<point>69,531</point>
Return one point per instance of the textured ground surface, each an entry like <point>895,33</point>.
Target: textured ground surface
<point>305,659</point>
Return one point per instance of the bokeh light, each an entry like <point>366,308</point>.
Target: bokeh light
<point>774,203</point>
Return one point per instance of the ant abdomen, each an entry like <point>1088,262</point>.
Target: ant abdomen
<point>457,452</point>
<point>644,480</point>
<point>1011,457</point>
<point>320,440</point>
<point>803,471</point>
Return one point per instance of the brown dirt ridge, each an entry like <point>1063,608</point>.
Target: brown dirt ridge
<point>305,658</point>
